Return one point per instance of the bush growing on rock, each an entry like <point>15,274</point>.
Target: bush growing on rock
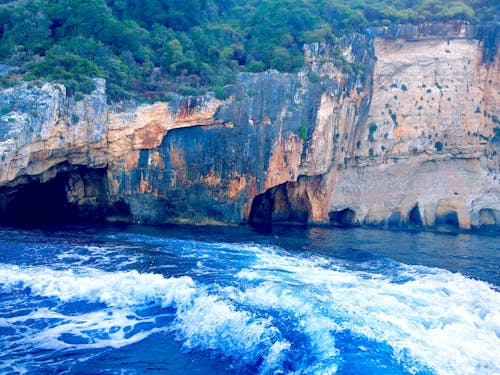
<point>157,46</point>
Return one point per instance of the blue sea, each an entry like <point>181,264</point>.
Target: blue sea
<point>267,300</point>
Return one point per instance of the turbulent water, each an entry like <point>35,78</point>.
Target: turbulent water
<point>138,300</point>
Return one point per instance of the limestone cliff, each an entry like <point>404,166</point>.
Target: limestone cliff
<point>428,145</point>
<point>398,127</point>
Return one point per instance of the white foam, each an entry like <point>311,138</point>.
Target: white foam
<point>277,354</point>
<point>202,320</point>
<point>79,256</point>
<point>437,319</point>
<point>103,328</point>
<point>214,324</point>
<point>116,324</point>
<point>111,288</point>
<point>304,316</point>
<point>430,318</point>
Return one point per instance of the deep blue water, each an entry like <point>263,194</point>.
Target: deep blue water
<point>281,300</point>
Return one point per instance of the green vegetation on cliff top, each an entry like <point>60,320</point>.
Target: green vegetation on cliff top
<point>146,48</point>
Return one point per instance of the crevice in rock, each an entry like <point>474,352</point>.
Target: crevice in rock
<point>74,194</point>
<point>342,218</point>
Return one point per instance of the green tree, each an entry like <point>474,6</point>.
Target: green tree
<point>149,47</point>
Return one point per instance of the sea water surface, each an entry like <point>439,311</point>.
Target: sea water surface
<point>281,300</point>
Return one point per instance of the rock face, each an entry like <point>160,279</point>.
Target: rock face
<point>399,127</point>
<point>47,143</point>
<point>430,144</point>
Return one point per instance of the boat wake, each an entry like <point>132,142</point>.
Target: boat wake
<point>278,313</point>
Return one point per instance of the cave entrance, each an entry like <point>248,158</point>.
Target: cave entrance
<point>342,218</point>
<point>487,218</point>
<point>285,203</point>
<point>76,195</point>
<point>449,219</point>
<point>262,207</point>
<point>414,218</point>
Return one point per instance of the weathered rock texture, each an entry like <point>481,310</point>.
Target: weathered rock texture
<point>398,127</point>
<point>429,144</point>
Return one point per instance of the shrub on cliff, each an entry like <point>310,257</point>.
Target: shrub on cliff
<point>150,47</point>
<point>303,132</point>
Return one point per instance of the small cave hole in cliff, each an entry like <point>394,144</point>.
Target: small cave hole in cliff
<point>342,218</point>
<point>449,219</point>
<point>487,218</point>
<point>395,220</point>
<point>76,195</point>
<point>285,203</point>
<point>119,211</point>
<point>414,218</point>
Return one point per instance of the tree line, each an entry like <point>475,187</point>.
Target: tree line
<point>147,48</point>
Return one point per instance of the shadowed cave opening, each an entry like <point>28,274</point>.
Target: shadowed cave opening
<point>78,194</point>
<point>342,218</point>
<point>414,218</point>
<point>487,218</point>
<point>449,219</point>
<point>285,203</point>
<point>395,220</point>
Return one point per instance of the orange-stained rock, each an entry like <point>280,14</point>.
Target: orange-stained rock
<point>131,159</point>
<point>212,179</point>
<point>149,136</point>
<point>145,126</point>
<point>196,111</point>
<point>236,186</point>
<point>144,187</point>
<point>177,158</point>
<point>285,160</point>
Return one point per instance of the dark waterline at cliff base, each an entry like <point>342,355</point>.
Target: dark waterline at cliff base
<point>247,300</point>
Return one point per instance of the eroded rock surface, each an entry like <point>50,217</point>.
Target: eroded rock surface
<point>430,139</point>
<point>399,127</point>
